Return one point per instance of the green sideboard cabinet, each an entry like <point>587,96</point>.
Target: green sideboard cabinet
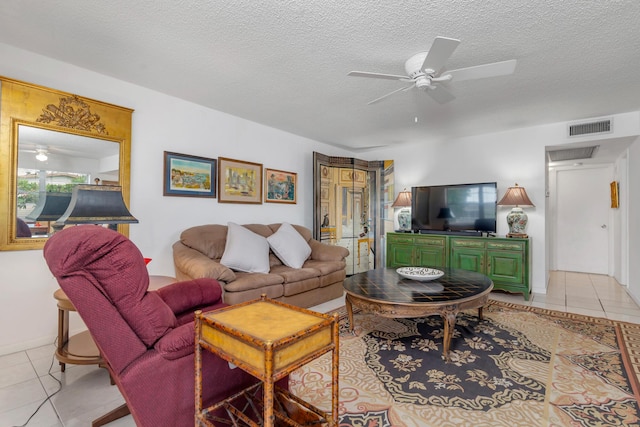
<point>408,250</point>
<point>504,260</point>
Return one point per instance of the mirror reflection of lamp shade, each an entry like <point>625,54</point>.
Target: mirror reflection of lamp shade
<point>96,204</point>
<point>50,206</point>
<point>446,213</point>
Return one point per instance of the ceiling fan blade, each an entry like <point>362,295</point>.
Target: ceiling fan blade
<point>377,75</point>
<point>440,94</point>
<point>483,71</point>
<point>441,49</point>
<point>390,93</point>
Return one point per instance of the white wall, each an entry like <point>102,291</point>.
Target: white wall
<point>160,122</point>
<point>507,157</point>
<point>633,191</point>
<point>621,220</point>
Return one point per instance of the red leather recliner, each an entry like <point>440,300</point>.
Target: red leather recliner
<point>145,337</point>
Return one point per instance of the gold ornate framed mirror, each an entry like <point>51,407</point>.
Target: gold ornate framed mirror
<point>49,141</point>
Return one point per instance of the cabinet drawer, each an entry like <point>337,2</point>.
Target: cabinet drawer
<point>400,238</point>
<point>467,243</point>
<point>431,241</point>
<point>506,245</point>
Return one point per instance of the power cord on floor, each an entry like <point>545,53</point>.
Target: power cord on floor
<point>53,358</point>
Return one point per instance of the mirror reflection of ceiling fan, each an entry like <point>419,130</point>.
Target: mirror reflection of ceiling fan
<point>425,71</point>
<point>41,152</point>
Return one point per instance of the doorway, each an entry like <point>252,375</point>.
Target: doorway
<point>582,220</point>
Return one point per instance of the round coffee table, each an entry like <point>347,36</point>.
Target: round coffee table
<point>384,292</point>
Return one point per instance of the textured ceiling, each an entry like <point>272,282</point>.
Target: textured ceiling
<point>284,63</point>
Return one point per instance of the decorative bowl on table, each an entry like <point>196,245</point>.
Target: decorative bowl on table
<point>421,274</point>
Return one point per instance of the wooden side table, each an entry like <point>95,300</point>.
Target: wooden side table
<point>78,349</point>
<point>268,339</point>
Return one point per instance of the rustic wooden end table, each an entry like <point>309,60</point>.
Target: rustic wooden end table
<point>268,339</point>
<point>384,292</point>
<point>79,349</point>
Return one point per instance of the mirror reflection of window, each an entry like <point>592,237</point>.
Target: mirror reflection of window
<point>43,196</point>
<point>50,164</point>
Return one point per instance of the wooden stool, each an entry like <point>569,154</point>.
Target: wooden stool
<point>78,349</point>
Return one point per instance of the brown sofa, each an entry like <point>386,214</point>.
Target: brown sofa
<point>200,249</point>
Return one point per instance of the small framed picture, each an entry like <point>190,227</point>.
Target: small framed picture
<point>189,176</point>
<point>239,181</point>
<point>281,186</point>
<point>615,202</point>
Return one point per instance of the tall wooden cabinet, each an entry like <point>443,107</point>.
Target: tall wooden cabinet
<point>504,260</point>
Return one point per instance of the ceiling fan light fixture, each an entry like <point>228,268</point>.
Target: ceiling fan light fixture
<point>413,65</point>
<point>423,82</point>
<point>42,156</point>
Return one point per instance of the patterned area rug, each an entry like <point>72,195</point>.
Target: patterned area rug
<point>520,366</point>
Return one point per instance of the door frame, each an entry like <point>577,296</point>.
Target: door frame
<point>553,203</point>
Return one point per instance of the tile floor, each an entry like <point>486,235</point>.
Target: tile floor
<point>86,394</point>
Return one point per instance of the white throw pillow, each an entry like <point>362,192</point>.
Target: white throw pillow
<point>245,250</point>
<point>289,246</point>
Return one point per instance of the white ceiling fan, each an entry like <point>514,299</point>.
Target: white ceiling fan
<point>425,71</point>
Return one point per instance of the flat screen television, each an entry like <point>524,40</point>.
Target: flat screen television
<point>459,208</point>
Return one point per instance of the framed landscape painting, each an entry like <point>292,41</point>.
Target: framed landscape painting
<point>190,176</point>
<point>239,181</point>
<point>281,186</point>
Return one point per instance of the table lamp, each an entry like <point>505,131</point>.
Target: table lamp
<point>96,204</point>
<point>517,197</point>
<point>403,215</point>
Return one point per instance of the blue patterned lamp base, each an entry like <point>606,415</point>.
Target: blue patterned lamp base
<point>403,218</point>
<point>517,221</point>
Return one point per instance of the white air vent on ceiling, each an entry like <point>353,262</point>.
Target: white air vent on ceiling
<point>590,128</point>
<point>572,153</point>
